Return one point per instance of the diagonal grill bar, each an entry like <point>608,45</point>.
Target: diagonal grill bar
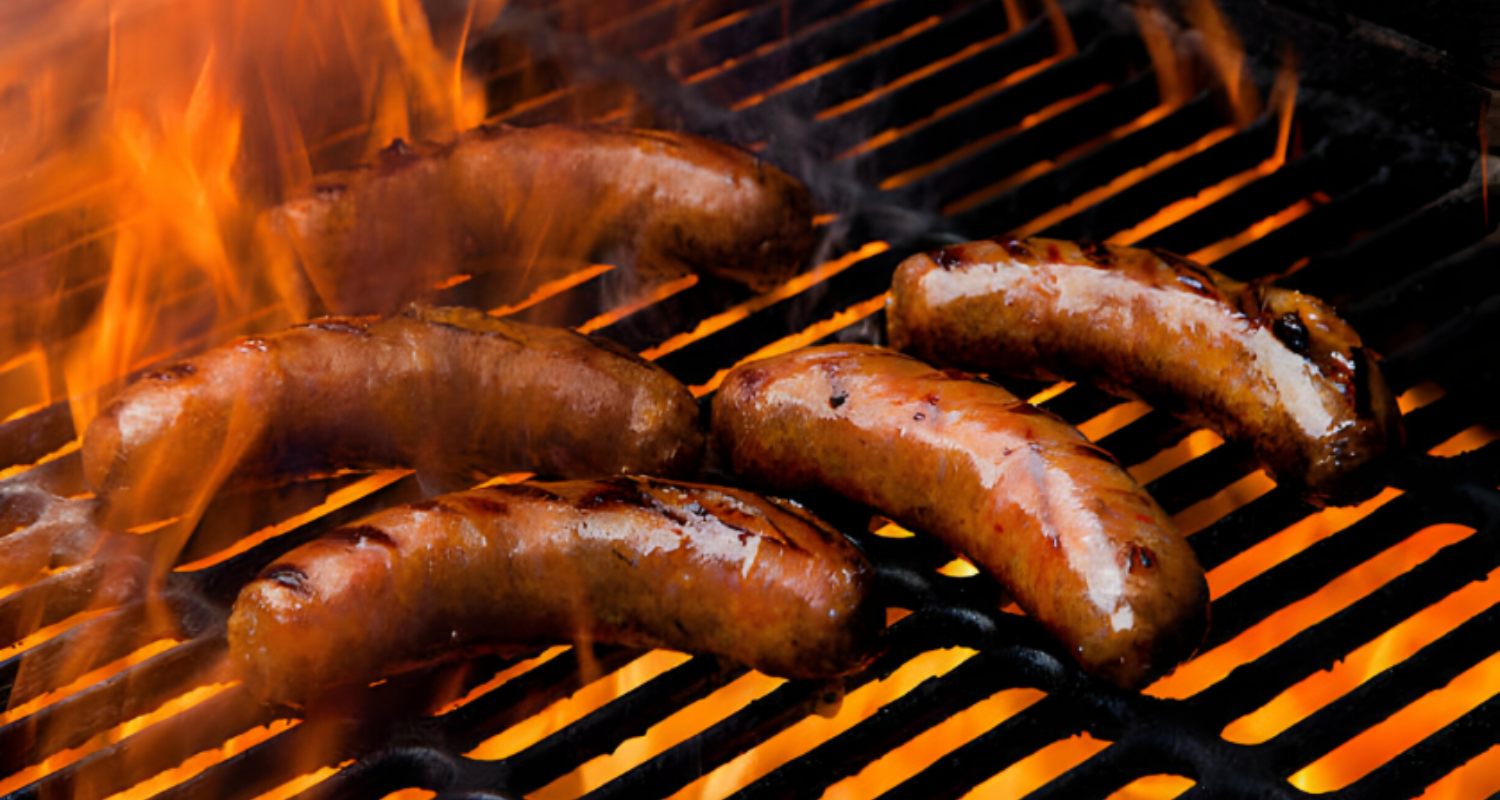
<point>1073,707</point>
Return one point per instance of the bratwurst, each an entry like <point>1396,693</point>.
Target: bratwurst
<point>630,561</point>
<point>451,392</point>
<point>373,238</point>
<point>1256,363</point>
<point>1079,546</point>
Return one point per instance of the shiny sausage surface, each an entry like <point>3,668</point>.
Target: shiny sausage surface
<point>632,561</point>
<point>1259,364</point>
<point>374,238</point>
<point>452,392</point>
<point>1080,547</point>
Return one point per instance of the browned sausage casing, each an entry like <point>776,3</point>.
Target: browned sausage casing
<point>374,238</point>
<point>449,391</point>
<point>1078,544</point>
<point>1263,365</point>
<point>631,561</point>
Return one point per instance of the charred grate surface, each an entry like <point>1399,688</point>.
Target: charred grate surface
<point>912,122</point>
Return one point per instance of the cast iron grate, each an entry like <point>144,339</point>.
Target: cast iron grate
<point>1394,235</point>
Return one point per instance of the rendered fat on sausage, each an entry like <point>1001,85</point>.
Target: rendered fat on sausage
<point>374,238</point>
<point>631,561</point>
<point>1258,364</point>
<point>452,392</point>
<point>1079,546</point>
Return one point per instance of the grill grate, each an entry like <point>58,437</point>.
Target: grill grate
<point>1394,241</point>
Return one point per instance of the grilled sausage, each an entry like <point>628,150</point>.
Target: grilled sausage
<point>452,392</point>
<point>1262,365</point>
<point>631,561</point>
<point>374,238</point>
<point>1079,546</point>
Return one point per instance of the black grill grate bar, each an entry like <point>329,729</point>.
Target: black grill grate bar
<point>1377,699</point>
<point>1113,768</point>
<point>103,706</point>
<point>927,95</point>
<point>1049,720</point>
<point>1079,403</point>
<point>657,25</point>
<point>765,25</point>
<point>775,712</point>
<point>1437,755</point>
<point>1425,299</point>
<point>1292,181</point>
<point>925,705</point>
<point>1253,685</point>
<point>95,584</point>
<point>82,649</point>
<point>1140,440</point>
<point>1207,475</point>
<point>1368,203</point>
<point>1066,184</point>
<point>1185,179</point>
<point>1249,525</point>
<point>679,766</point>
<point>153,749</point>
<point>1070,129</point>
<point>964,29</point>
<point>844,36</point>
<point>698,361</point>
<point>1305,573</point>
<point>1105,61</point>
<point>1395,243</point>
<point>221,582</point>
<point>601,731</point>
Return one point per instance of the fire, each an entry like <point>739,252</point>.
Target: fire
<point>176,153</point>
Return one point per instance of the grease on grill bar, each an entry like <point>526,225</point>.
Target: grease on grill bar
<point>979,108</point>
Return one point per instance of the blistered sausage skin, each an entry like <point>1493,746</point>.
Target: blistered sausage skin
<point>1258,364</point>
<point>1079,546</point>
<point>374,238</point>
<point>631,561</point>
<point>451,392</point>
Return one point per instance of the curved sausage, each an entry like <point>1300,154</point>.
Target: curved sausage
<point>1262,365</point>
<point>374,238</point>
<point>1079,546</point>
<point>631,561</point>
<point>451,392</point>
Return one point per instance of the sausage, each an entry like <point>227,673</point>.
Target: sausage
<point>376,237</point>
<point>1079,546</point>
<point>1258,364</point>
<point>631,561</point>
<point>450,392</point>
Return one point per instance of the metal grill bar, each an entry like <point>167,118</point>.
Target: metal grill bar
<point>389,731</point>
